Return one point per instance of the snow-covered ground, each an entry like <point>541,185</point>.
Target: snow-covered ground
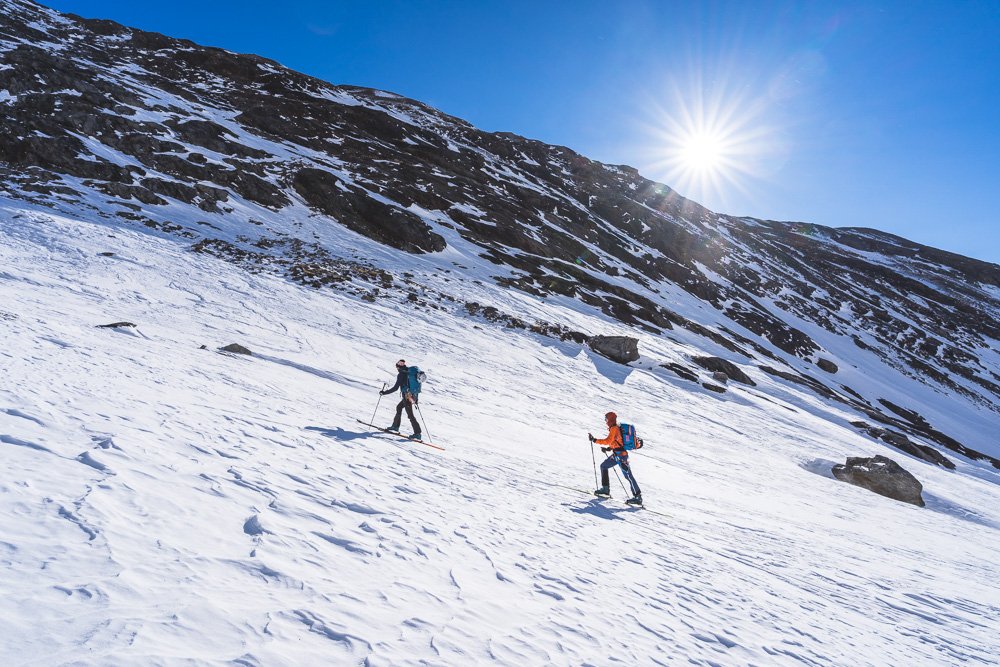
<point>166,504</point>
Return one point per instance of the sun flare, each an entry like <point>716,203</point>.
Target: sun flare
<point>711,144</point>
<point>702,152</point>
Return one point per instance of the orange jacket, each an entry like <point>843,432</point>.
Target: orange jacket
<point>614,439</point>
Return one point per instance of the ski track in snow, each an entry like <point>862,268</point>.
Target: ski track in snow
<point>165,504</point>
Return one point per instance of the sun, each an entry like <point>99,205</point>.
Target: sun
<point>702,152</point>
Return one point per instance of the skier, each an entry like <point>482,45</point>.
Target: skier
<point>409,399</point>
<point>619,457</point>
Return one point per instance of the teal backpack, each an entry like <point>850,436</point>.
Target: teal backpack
<point>629,439</point>
<point>414,381</point>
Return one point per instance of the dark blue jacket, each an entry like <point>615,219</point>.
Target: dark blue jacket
<point>402,382</point>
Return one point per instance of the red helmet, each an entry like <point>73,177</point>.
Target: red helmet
<point>611,418</point>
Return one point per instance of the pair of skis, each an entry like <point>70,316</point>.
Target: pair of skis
<point>594,495</point>
<point>400,435</point>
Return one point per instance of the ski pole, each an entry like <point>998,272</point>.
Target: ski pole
<point>376,404</point>
<point>593,459</point>
<point>619,478</point>
<point>419,412</point>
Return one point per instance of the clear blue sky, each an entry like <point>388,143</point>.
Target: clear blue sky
<point>867,114</point>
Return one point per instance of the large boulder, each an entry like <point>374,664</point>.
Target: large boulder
<point>622,349</point>
<point>827,365</point>
<point>883,476</point>
<point>717,365</point>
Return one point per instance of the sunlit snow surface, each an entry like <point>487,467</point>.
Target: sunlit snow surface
<point>165,504</point>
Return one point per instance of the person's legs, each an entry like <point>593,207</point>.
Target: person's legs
<point>399,414</point>
<point>627,471</point>
<point>409,413</point>
<point>606,465</point>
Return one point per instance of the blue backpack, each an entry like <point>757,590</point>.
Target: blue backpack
<point>629,439</point>
<point>414,380</point>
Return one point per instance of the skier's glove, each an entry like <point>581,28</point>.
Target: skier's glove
<point>382,393</point>
<point>605,449</point>
<point>591,436</point>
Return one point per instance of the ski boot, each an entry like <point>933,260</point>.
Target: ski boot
<point>603,492</point>
<point>415,436</point>
<point>634,500</point>
<point>392,429</point>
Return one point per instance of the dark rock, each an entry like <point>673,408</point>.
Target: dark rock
<point>681,371</point>
<point>883,476</point>
<point>719,376</point>
<point>827,365</point>
<point>714,387</point>
<point>236,348</point>
<point>717,365</point>
<point>621,349</point>
<point>115,325</point>
<point>903,443</point>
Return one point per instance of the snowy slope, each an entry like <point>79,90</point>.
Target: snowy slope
<point>165,504</point>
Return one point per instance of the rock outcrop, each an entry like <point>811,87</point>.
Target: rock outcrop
<point>622,349</point>
<point>883,476</point>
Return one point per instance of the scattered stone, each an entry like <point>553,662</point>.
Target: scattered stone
<point>719,376</point>
<point>714,387</point>
<point>236,348</point>
<point>106,254</point>
<point>252,526</point>
<point>621,349</point>
<point>883,476</point>
<point>732,371</point>
<point>115,325</point>
<point>827,365</point>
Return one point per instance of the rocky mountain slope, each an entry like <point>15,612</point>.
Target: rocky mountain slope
<point>243,159</point>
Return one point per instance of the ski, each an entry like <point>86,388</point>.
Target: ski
<point>594,495</point>
<point>399,435</point>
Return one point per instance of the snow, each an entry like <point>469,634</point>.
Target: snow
<point>165,504</point>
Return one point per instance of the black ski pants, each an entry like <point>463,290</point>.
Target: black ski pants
<point>619,457</point>
<point>405,403</point>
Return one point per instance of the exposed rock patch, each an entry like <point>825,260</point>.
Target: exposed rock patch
<point>903,443</point>
<point>681,371</point>
<point>731,370</point>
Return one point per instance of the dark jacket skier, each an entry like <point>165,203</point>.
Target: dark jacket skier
<point>407,402</point>
<point>618,457</point>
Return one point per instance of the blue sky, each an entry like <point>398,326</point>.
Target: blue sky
<point>860,114</point>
